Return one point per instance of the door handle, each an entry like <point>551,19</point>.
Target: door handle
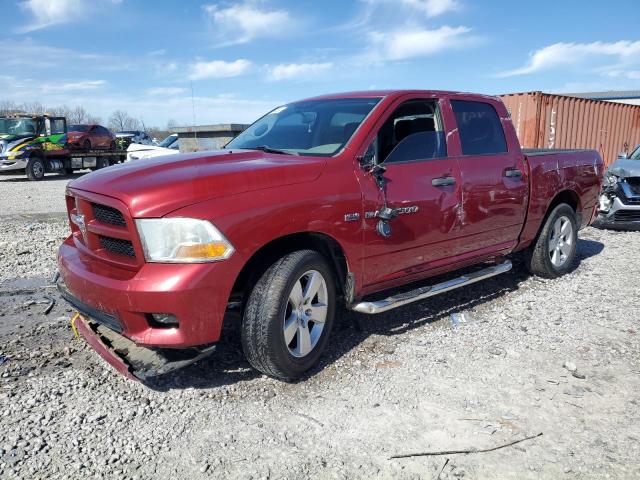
<point>512,173</point>
<point>443,181</point>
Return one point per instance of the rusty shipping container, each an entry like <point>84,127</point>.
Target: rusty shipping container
<point>557,121</point>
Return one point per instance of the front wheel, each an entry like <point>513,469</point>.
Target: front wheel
<point>35,168</point>
<point>289,315</point>
<point>554,251</point>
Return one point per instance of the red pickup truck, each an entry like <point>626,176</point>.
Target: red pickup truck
<point>321,203</point>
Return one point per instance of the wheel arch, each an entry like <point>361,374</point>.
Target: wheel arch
<point>264,257</point>
<point>568,196</point>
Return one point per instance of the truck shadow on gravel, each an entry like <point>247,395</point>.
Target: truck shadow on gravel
<point>350,330</point>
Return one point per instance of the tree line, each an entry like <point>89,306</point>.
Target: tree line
<point>118,121</point>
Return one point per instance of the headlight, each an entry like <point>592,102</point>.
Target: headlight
<point>611,179</point>
<point>182,240</point>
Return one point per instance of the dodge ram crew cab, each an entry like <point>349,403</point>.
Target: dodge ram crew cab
<point>322,204</point>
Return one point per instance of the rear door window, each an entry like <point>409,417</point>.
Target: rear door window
<point>480,129</point>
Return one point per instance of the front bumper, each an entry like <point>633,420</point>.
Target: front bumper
<point>620,215</point>
<point>135,363</point>
<point>7,165</point>
<point>122,299</point>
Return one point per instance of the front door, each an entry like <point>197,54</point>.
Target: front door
<point>423,183</point>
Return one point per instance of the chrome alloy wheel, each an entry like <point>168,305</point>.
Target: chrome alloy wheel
<point>560,241</point>
<point>305,314</point>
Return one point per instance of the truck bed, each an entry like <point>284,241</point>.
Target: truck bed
<point>533,152</point>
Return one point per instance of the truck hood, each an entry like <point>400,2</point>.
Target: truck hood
<point>12,140</point>
<point>625,167</point>
<point>155,187</point>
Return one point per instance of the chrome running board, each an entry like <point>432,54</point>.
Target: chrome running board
<point>421,293</point>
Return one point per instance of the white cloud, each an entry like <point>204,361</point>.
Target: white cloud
<point>431,8</point>
<point>299,71</point>
<point>46,13</point>
<point>414,42</point>
<point>627,74</point>
<point>72,86</point>
<point>218,69</point>
<point>166,91</point>
<point>572,54</point>
<point>243,22</point>
<point>222,108</point>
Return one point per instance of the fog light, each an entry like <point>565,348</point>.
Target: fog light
<point>164,319</point>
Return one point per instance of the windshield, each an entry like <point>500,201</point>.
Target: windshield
<point>636,154</point>
<point>78,128</point>
<point>19,126</point>
<point>316,127</point>
<point>166,143</point>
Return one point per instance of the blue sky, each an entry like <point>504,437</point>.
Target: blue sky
<point>245,57</point>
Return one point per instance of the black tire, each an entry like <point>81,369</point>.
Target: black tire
<point>262,331</point>
<point>102,162</point>
<point>539,256</point>
<point>35,168</point>
<point>86,145</point>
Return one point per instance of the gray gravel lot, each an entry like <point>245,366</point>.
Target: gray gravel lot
<point>20,195</point>
<point>559,357</point>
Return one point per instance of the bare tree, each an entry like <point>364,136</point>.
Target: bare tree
<point>78,115</point>
<point>171,125</point>
<point>8,107</point>
<point>120,120</point>
<point>35,108</point>
<point>61,111</point>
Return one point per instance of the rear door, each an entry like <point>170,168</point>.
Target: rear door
<point>494,182</point>
<point>422,181</point>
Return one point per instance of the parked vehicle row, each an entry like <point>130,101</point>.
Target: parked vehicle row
<point>38,144</point>
<point>41,144</point>
<point>323,203</point>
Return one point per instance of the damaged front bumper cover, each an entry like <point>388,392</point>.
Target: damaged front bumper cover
<point>133,361</point>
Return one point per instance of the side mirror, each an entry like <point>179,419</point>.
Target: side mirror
<point>368,160</point>
<point>622,156</point>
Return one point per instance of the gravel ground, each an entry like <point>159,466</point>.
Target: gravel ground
<point>20,195</point>
<point>557,357</point>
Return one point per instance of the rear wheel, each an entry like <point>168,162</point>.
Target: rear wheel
<point>35,168</point>
<point>102,162</point>
<point>553,253</point>
<point>289,315</point>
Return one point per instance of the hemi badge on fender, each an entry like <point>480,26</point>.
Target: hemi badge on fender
<point>351,217</point>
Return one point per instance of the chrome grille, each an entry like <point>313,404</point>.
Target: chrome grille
<point>627,216</point>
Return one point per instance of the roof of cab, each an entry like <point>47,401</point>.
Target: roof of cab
<point>387,93</point>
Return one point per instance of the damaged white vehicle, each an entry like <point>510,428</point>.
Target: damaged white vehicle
<point>169,146</point>
<point>620,199</point>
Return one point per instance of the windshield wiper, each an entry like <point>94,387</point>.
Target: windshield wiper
<point>266,149</point>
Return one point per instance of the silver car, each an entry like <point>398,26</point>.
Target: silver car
<point>620,199</point>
